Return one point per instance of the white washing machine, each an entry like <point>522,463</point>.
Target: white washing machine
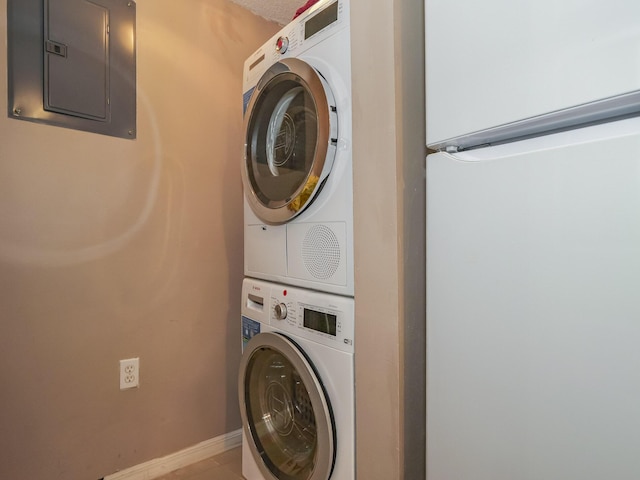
<point>296,384</point>
<point>297,168</point>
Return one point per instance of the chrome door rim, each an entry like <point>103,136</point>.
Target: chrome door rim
<point>326,448</point>
<point>318,89</point>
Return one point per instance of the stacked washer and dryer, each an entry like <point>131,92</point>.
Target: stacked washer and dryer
<point>296,379</point>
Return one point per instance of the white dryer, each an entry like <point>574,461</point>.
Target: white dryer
<point>296,384</point>
<point>297,168</point>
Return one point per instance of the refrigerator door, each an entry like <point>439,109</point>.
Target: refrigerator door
<point>494,63</point>
<point>533,308</point>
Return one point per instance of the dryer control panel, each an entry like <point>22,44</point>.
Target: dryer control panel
<point>322,20</point>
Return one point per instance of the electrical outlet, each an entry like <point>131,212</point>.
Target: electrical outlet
<point>129,373</point>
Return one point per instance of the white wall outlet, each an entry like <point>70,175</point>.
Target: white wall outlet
<point>129,373</point>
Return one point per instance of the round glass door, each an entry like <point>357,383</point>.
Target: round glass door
<point>291,131</point>
<point>285,413</point>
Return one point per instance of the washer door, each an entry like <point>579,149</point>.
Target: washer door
<point>290,144</point>
<point>286,415</point>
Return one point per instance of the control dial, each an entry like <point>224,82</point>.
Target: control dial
<point>281,311</point>
<point>282,44</point>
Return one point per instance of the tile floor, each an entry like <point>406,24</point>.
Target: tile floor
<point>226,466</point>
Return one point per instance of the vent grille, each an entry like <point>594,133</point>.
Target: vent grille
<point>321,252</point>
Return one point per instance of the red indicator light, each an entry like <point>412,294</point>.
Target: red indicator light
<point>284,292</point>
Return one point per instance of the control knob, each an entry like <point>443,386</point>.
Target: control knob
<point>282,44</point>
<point>281,311</point>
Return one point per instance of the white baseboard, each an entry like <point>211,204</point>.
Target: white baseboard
<point>161,466</point>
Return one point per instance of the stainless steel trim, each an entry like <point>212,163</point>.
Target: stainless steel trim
<point>321,410</point>
<point>304,74</point>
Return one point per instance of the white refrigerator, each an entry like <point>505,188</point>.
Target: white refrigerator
<point>533,240</point>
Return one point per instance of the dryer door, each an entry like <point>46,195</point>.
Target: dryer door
<point>285,411</point>
<point>290,143</point>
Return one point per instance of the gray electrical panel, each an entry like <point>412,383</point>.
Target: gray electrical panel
<point>72,63</point>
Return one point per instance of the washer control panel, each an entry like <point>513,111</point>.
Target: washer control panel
<point>321,317</point>
<point>324,318</point>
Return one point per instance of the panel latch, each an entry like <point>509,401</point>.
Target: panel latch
<point>56,48</point>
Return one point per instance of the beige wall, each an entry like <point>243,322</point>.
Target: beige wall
<point>111,249</point>
<point>389,215</point>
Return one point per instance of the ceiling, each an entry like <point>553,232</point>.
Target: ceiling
<point>280,11</point>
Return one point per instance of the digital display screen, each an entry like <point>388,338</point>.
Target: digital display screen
<point>322,19</point>
<point>320,322</point>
